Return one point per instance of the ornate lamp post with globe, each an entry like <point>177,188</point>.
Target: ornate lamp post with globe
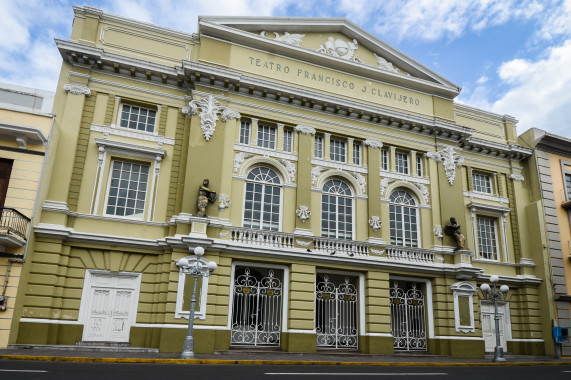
<point>199,267</point>
<point>495,295</point>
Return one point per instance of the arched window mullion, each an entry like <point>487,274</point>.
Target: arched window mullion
<point>263,199</point>
<point>403,214</point>
<point>337,210</point>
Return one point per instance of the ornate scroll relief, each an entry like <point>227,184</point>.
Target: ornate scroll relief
<point>388,66</point>
<point>223,201</point>
<point>423,190</point>
<point>290,168</point>
<point>239,160</point>
<point>341,49</point>
<point>517,177</point>
<point>384,184</point>
<point>361,180</point>
<point>450,159</point>
<point>209,110</point>
<point>315,172</point>
<point>375,222</point>
<point>377,251</point>
<point>437,231</point>
<point>373,143</point>
<point>305,129</point>
<point>77,89</point>
<point>303,213</point>
<point>303,243</point>
<point>292,39</point>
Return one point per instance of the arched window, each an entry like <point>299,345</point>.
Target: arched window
<point>262,203</point>
<point>337,210</point>
<point>403,211</point>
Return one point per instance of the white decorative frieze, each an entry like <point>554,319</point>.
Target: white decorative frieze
<point>304,129</point>
<point>315,172</point>
<point>388,66</point>
<point>517,177</point>
<point>373,143</point>
<point>437,231</point>
<point>303,213</point>
<point>303,243</point>
<point>361,180</point>
<point>376,223</point>
<point>340,49</point>
<point>209,110</point>
<point>223,201</point>
<point>239,160</point>
<point>290,167</point>
<point>292,39</point>
<point>450,159</point>
<point>377,251</point>
<point>77,89</point>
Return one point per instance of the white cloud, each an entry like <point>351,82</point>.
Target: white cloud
<point>483,79</point>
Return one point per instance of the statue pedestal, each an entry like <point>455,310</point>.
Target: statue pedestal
<point>198,227</point>
<point>463,257</point>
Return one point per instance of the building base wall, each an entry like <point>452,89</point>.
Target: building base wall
<point>527,348</point>
<point>376,345</point>
<point>48,333</point>
<point>295,342</point>
<point>457,348</point>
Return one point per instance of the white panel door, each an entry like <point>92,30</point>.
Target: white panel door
<point>489,326</point>
<point>110,308</point>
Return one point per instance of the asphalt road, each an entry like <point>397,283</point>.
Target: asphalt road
<point>17,369</point>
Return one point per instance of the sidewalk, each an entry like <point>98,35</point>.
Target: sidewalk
<point>145,355</point>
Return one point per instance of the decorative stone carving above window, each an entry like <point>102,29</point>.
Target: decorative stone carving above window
<point>292,39</point>
<point>209,110</point>
<point>424,191</point>
<point>373,143</point>
<point>385,182</point>
<point>340,49</point>
<point>315,172</point>
<point>77,89</point>
<point>306,130</point>
<point>450,159</point>
<point>290,167</point>
<point>388,66</point>
<point>517,177</point>
<point>239,160</point>
<point>361,180</point>
<point>303,213</point>
<point>437,231</point>
<point>376,223</point>
<point>223,201</point>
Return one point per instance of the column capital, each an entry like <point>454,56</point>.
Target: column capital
<point>77,89</point>
<point>373,143</point>
<point>304,129</point>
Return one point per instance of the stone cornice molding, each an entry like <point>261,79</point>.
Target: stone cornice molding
<point>130,149</point>
<point>23,134</point>
<point>77,89</point>
<point>373,143</point>
<point>515,152</point>
<point>304,129</point>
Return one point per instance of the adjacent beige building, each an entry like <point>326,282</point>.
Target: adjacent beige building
<point>337,163</point>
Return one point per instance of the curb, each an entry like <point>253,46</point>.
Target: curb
<point>266,362</point>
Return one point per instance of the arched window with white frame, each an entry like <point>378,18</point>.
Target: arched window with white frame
<point>337,210</point>
<point>263,196</point>
<point>403,211</point>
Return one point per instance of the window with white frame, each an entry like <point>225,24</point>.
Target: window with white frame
<point>337,150</point>
<point>318,146</point>
<point>288,140</point>
<point>266,136</point>
<point>385,159</point>
<point>245,127</point>
<point>482,183</point>
<point>487,238</point>
<point>568,185</point>
<point>401,163</point>
<point>184,294</point>
<point>403,215</point>
<point>139,118</point>
<point>262,202</point>
<point>337,210</point>
<point>356,153</point>
<point>419,168</point>
<point>127,189</point>
<point>464,306</point>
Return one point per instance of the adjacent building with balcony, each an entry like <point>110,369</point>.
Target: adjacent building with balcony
<point>25,124</point>
<point>337,163</point>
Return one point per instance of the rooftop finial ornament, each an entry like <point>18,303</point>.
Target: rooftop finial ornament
<point>453,229</point>
<point>205,196</point>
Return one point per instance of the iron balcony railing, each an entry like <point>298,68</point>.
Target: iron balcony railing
<point>13,222</point>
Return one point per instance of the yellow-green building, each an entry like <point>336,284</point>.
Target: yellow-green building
<point>25,125</point>
<point>337,163</point>
<point>550,168</point>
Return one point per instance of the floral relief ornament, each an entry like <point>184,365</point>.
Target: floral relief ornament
<point>304,129</point>
<point>361,180</point>
<point>339,48</point>
<point>303,213</point>
<point>450,159</point>
<point>223,201</point>
<point>292,39</point>
<point>517,177</point>
<point>77,89</point>
<point>239,160</point>
<point>375,222</point>
<point>290,167</point>
<point>209,110</point>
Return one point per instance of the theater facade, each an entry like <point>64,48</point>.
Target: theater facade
<point>351,204</point>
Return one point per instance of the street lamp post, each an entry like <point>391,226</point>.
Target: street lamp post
<point>200,267</point>
<point>495,295</point>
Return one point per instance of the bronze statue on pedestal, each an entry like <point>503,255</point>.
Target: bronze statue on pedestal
<point>453,229</point>
<point>205,196</point>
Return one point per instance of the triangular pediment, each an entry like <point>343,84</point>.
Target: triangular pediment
<point>330,42</point>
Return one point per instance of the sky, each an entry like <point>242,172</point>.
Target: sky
<point>509,56</point>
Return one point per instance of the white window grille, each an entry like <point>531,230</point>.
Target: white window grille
<point>262,202</point>
<point>385,159</point>
<point>357,154</point>
<point>337,150</point>
<point>139,118</point>
<point>288,140</point>
<point>487,238</point>
<point>419,168</point>
<point>266,137</point>
<point>127,189</point>
<point>568,185</point>
<point>403,213</point>
<point>401,163</point>
<point>482,183</point>
<point>337,210</point>
<point>245,127</point>
<point>318,147</point>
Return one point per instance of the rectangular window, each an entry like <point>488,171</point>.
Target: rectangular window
<point>139,118</point>
<point>419,166</point>
<point>401,163</point>
<point>357,154</point>
<point>482,183</point>
<point>568,185</point>
<point>337,150</point>
<point>487,240</point>
<point>385,159</point>
<point>288,140</point>
<point>127,189</point>
<point>318,147</point>
<point>266,137</point>
<point>245,128</point>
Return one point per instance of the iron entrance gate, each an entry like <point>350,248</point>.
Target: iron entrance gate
<point>407,317</point>
<point>336,312</point>
<point>257,308</point>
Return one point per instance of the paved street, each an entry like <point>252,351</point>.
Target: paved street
<point>10,369</point>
